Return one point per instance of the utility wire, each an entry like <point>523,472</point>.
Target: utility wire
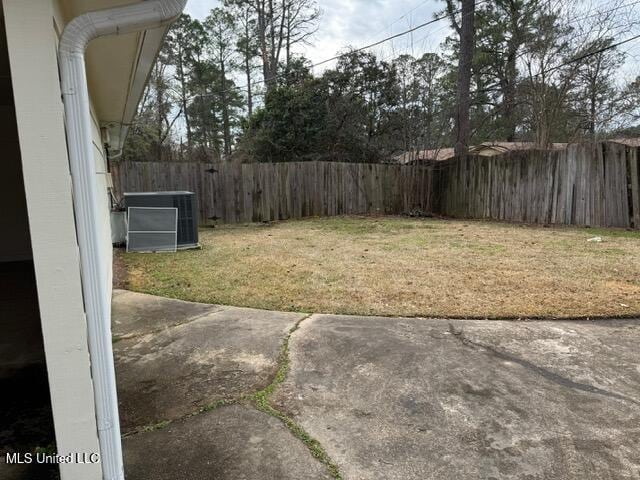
<point>595,52</point>
<point>571,20</point>
<point>342,55</point>
<point>602,12</point>
<point>405,32</point>
<point>413,29</point>
<point>437,19</point>
<point>398,19</point>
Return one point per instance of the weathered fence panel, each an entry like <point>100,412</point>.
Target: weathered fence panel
<point>582,185</point>
<point>255,192</point>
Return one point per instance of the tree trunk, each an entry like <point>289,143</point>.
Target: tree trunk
<point>226,128</point>
<point>160,104</point>
<point>515,11</point>
<point>247,64</point>
<point>593,106</point>
<point>509,97</point>
<point>288,39</point>
<point>273,62</point>
<point>262,40</point>
<point>463,124</point>
<point>203,122</point>
<point>183,99</point>
<point>247,67</point>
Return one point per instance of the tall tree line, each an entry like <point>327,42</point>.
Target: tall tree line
<point>193,108</point>
<point>234,85</point>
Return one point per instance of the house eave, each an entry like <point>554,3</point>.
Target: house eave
<point>149,47</point>
<point>117,69</point>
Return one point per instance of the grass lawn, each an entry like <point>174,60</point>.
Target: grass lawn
<point>402,266</point>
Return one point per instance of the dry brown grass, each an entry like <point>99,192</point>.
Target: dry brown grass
<point>402,266</point>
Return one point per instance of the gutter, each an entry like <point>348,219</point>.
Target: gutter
<point>95,279</point>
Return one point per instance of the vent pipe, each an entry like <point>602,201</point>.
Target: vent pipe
<point>95,278</point>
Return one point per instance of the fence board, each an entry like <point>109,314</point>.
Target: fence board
<point>634,184</point>
<point>265,192</point>
<point>597,185</point>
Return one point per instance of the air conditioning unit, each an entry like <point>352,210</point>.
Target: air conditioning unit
<point>152,229</point>
<point>185,202</point>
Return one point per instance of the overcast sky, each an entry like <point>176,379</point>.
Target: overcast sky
<point>358,22</point>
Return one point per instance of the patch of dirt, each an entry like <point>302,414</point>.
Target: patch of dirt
<point>120,273</point>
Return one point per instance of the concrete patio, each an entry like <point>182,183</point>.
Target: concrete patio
<point>372,398</point>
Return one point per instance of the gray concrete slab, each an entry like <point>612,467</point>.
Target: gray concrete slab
<point>233,442</point>
<point>387,398</point>
<point>137,313</point>
<point>205,357</point>
<point>436,399</point>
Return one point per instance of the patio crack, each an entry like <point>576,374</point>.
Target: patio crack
<point>129,336</point>
<point>224,402</point>
<point>543,372</point>
<point>260,400</point>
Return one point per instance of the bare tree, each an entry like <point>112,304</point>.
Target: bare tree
<point>301,22</point>
<point>279,24</point>
<point>568,58</point>
<point>596,88</point>
<point>599,97</point>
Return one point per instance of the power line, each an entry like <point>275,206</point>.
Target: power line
<point>595,52</point>
<point>405,15</point>
<point>375,44</point>
<point>631,51</point>
<point>571,20</point>
<point>436,19</point>
<point>342,55</point>
<point>602,12</point>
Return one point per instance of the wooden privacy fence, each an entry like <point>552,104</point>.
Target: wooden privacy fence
<point>582,185</point>
<point>255,192</point>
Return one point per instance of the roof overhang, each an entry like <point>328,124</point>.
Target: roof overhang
<point>118,68</point>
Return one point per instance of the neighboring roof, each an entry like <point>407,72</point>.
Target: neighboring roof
<point>629,142</point>
<point>117,68</point>
<point>486,149</point>
<point>437,154</point>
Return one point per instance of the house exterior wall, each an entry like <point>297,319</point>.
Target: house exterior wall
<point>33,27</point>
<point>104,218</point>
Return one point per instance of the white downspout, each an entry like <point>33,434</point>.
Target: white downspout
<point>75,38</point>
